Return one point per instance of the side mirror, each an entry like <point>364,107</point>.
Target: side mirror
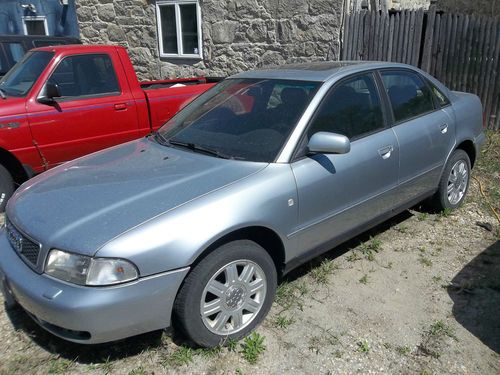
<point>329,143</point>
<point>51,91</point>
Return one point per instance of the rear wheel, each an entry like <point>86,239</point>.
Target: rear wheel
<point>227,294</point>
<point>6,187</point>
<point>454,182</point>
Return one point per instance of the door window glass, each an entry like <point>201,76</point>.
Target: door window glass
<point>408,94</point>
<point>85,75</point>
<point>352,109</point>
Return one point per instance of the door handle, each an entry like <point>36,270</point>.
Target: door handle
<point>443,128</point>
<point>386,151</point>
<point>120,107</point>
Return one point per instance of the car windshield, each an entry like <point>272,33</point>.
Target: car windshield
<point>19,80</point>
<point>244,119</point>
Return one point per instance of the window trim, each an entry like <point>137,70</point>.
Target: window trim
<point>435,106</point>
<point>64,99</point>
<point>178,27</point>
<point>35,18</point>
<point>299,147</point>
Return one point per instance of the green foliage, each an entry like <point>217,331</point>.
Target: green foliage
<point>252,347</point>
<point>283,322</point>
<point>364,279</point>
<point>363,346</point>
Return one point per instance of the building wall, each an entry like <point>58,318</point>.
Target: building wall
<point>237,34</point>
<point>61,19</point>
<point>489,8</point>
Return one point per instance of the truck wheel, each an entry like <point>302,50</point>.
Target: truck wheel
<point>454,182</point>
<point>6,187</point>
<point>227,294</point>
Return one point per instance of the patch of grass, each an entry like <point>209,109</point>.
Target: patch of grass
<point>252,347</point>
<point>182,356</point>
<point>231,345</point>
<point>106,367</point>
<point>321,273</point>
<point>283,322</point>
<point>138,371</point>
<point>364,279</point>
<point>59,366</point>
<point>437,279</point>
<point>210,352</point>
<point>425,261</point>
<point>369,248</point>
<point>353,256</point>
<point>238,372</point>
<point>289,295</point>
<point>440,329</point>
<point>422,216</point>
<point>402,229</point>
<point>446,212</point>
<point>403,350</point>
<point>363,346</point>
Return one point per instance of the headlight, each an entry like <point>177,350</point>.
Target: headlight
<point>84,270</point>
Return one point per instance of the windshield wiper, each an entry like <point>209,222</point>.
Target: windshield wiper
<point>2,94</point>
<point>195,147</point>
<point>158,137</point>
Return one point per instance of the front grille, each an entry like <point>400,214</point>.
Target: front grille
<point>22,244</point>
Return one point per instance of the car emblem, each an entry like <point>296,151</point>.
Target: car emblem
<point>15,238</point>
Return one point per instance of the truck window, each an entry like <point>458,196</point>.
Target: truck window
<point>85,75</point>
<point>19,80</point>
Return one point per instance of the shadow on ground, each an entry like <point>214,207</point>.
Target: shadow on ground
<point>102,353</point>
<point>475,291</point>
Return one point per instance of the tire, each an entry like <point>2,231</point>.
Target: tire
<point>234,285</point>
<point>6,187</point>
<point>454,182</point>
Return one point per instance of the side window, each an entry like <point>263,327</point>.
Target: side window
<point>408,94</point>
<point>85,75</point>
<point>441,98</point>
<point>352,109</point>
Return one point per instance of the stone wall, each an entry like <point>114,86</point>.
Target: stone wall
<point>237,34</point>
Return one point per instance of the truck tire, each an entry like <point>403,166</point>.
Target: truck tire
<point>6,187</point>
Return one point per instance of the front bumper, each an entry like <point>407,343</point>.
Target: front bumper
<point>89,315</point>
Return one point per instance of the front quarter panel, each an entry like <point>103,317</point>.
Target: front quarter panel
<point>177,238</point>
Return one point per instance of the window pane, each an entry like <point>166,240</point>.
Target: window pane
<point>441,98</point>
<point>409,95</point>
<point>85,75</point>
<point>168,29</point>
<point>189,29</point>
<point>16,51</point>
<point>351,109</point>
<point>35,27</point>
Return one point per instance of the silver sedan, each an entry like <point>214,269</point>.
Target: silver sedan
<point>195,224</point>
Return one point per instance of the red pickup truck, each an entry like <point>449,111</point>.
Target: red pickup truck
<point>59,103</point>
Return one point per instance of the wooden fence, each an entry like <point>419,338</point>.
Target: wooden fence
<point>461,51</point>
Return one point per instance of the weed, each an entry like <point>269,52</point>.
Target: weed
<point>403,350</point>
<point>210,352</point>
<point>182,356</point>
<point>320,274</point>
<point>425,261</point>
<point>353,257</point>
<point>387,345</point>
<point>439,329</point>
<point>231,345</point>
<point>288,294</point>
<point>283,322</point>
<point>368,249</point>
<point>422,216</point>
<point>138,371</point>
<point>446,212</point>
<point>106,367</point>
<point>238,372</point>
<point>402,229</point>
<point>59,366</point>
<point>363,346</point>
<point>364,279</point>
<point>437,279</point>
<point>252,347</point>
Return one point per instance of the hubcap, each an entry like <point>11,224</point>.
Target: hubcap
<point>233,297</point>
<point>457,182</point>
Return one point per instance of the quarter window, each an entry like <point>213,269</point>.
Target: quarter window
<point>179,28</point>
<point>408,94</point>
<point>352,109</point>
<point>441,98</point>
<point>85,75</point>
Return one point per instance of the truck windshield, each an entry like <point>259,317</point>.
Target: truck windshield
<point>19,80</point>
<point>241,118</point>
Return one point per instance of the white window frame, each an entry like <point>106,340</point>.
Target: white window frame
<point>35,18</point>
<point>178,26</point>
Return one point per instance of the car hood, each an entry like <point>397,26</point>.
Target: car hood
<point>81,205</point>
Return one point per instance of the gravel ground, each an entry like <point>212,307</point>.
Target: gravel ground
<point>417,295</point>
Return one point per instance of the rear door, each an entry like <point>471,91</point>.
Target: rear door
<point>96,109</point>
<point>338,193</point>
<point>425,132</point>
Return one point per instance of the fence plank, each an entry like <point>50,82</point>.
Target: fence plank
<point>385,48</point>
<point>390,39</point>
<point>435,45</point>
<point>429,32</point>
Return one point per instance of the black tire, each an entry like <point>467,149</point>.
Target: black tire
<point>187,314</point>
<point>6,187</point>
<point>442,200</point>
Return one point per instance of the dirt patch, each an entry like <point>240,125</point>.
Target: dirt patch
<point>417,295</point>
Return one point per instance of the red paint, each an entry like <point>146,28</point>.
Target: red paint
<point>43,136</point>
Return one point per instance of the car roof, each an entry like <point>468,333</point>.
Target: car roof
<point>317,71</point>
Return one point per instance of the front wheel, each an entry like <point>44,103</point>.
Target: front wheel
<point>6,187</point>
<point>227,294</point>
<point>454,182</point>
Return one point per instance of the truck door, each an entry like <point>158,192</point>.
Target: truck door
<point>95,110</point>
